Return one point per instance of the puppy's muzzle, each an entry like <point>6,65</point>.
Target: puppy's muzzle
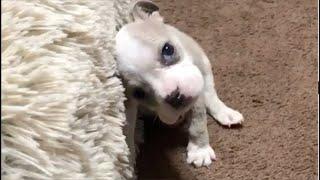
<point>178,100</point>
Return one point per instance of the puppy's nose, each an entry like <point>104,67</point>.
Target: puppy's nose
<point>178,100</point>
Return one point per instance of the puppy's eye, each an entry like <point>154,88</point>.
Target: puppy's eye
<point>168,54</point>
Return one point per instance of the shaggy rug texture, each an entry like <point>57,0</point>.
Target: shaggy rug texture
<point>62,104</point>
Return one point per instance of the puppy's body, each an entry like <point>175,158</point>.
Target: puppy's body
<point>167,72</point>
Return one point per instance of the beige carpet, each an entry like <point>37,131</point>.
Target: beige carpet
<point>264,57</point>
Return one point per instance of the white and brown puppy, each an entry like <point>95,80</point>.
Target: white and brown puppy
<point>167,72</point>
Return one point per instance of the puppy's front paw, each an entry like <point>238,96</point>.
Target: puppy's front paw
<point>228,117</point>
<point>200,156</point>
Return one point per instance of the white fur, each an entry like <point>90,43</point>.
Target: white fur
<point>135,56</point>
<point>228,116</point>
<point>62,106</point>
<point>186,77</point>
<point>222,113</point>
<point>200,156</point>
<point>138,48</point>
<point>131,48</point>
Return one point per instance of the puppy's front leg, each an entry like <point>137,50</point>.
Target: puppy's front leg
<point>199,151</point>
<point>222,113</point>
<point>129,128</point>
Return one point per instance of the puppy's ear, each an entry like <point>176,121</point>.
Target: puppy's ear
<point>144,9</point>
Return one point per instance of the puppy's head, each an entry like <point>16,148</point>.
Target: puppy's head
<point>157,69</point>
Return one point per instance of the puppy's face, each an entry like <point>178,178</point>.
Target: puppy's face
<point>157,70</point>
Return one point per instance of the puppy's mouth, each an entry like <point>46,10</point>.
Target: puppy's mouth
<point>168,120</point>
<point>171,120</point>
<point>180,119</point>
<point>139,93</point>
<point>167,114</point>
<point>145,96</point>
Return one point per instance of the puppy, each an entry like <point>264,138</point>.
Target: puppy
<point>167,72</point>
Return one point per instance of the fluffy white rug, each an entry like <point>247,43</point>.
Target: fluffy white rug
<point>62,106</point>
